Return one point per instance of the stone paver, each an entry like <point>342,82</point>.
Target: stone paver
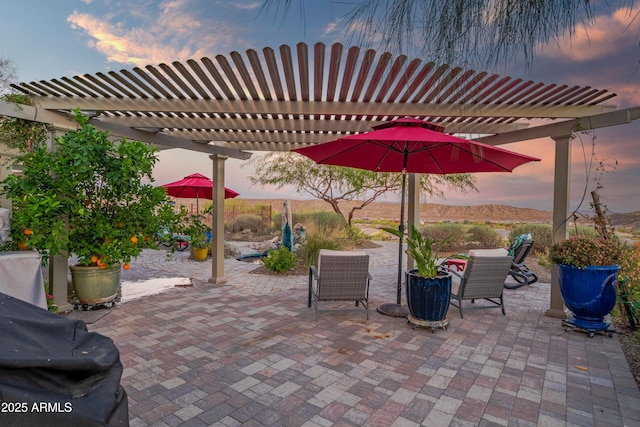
<point>248,352</point>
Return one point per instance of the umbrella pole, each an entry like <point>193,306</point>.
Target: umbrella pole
<point>397,309</point>
<point>400,243</point>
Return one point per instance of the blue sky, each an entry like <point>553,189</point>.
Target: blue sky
<point>53,38</point>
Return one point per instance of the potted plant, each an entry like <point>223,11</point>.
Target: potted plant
<point>588,269</point>
<point>428,286</point>
<point>92,198</point>
<point>199,241</point>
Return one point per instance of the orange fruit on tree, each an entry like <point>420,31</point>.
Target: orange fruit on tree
<point>27,232</point>
<point>22,246</point>
<point>126,266</point>
<point>134,240</point>
<point>95,259</point>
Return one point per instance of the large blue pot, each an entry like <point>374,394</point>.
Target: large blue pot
<point>589,293</point>
<point>428,297</point>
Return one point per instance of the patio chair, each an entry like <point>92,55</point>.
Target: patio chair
<point>340,276</point>
<point>520,249</point>
<point>483,278</point>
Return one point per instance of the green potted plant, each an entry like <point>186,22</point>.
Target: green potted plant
<point>581,252</point>
<point>199,241</point>
<point>92,198</point>
<point>428,286</point>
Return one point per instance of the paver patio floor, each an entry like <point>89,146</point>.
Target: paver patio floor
<point>248,352</point>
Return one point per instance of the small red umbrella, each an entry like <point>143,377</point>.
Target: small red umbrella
<point>415,146</point>
<point>195,186</point>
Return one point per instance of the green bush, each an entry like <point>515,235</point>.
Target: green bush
<point>280,260</point>
<point>245,222</point>
<point>483,236</point>
<point>355,236</point>
<point>439,232</point>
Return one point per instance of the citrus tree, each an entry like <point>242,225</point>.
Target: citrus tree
<point>90,197</point>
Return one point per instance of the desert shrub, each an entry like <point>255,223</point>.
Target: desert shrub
<point>483,236</point>
<point>355,236</point>
<point>245,222</point>
<point>439,232</point>
<point>319,238</point>
<point>280,260</point>
<point>322,220</point>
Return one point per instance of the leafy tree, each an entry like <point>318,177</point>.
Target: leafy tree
<point>335,184</point>
<point>463,31</point>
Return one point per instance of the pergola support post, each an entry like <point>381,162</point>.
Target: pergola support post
<point>561,191</point>
<point>413,202</point>
<point>217,226</point>
<point>59,264</point>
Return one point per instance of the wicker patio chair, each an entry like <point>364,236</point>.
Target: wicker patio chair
<point>483,278</point>
<point>340,276</point>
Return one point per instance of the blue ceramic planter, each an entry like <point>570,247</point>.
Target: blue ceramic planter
<point>428,297</point>
<point>589,293</point>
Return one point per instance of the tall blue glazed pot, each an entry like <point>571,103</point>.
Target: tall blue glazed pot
<point>589,293</point>
<point>428,297</point>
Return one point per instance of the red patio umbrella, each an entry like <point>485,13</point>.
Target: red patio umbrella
<point>195,186</point>
<point>415,146</point>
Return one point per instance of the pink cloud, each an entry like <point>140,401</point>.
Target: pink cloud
<point>607,34</point>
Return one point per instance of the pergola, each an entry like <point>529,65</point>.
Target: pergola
<point>232,104</point>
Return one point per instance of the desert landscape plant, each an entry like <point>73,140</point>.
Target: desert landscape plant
<point>452,234</point>
<point>319,238</point>
<point>280,260</point>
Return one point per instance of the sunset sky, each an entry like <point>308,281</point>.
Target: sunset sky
<point>53,38</point>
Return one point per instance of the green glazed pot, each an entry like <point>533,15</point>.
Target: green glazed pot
<point>95,285</point>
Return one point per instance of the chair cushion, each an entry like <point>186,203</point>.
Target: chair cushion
<point>488,252</point>
<point>336,253</point>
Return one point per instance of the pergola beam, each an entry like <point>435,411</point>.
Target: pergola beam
<point>559,130</point>
<point>169,141</point>
<point>318,108</point>
<point>295,124</point>
<point>63,121</point>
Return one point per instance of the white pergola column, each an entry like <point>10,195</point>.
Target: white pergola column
<point>217,227</point>
<point>59,264</point>
<point>561,191</point>
<point>6,164</point>
<point>413,202</point>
